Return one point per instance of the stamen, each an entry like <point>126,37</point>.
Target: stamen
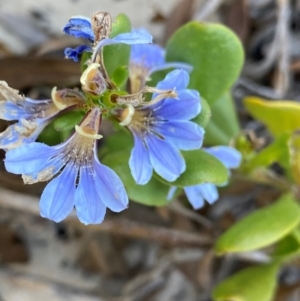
<point>130,112</point>
<point>92,80</point>
<point>162,94</point>
<point>85,78</point>
<point>81,132</point>
<point>131,99</point>
<point>56,100</point>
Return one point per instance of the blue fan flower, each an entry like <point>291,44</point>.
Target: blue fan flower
<point>81,180</point>
<point>32,115</point>
<point>162,128</point>
<point>146,59</point>
<point>98,35</point>
<point>197,194</point>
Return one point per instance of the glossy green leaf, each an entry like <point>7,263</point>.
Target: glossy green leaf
<point>201,167</point>
<point>261,228</point>
<point>118,54</point>
<point>251,284</point>
<point>224,123</point>
<point>214,51</point>
<point>287,248</point>
<point>67,121</point>
<point>154,193</point>
<point>278,116</point>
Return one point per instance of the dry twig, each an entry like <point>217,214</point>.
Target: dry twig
<point>164,236</point>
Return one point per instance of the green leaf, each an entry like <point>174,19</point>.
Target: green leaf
<point>120,76</point>
<point>278,116</point>
<point>201,167</point>
<point>261,228</point>
<point>224,123</point>
<point>294,157</point>
<point>50,136</point>
<point>214,51</point>
<point>252,284</point>
<point>288,248</point>
<point>84,60</point>
<point>153,193</point>
<point>203,118</point>
<point>277,151</point>
<point>118,54</point>
<point>67,121</point>
<point>120,141</point>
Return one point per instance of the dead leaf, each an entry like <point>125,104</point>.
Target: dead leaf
<point>23,72</point>
<point>181,14</point>
<point>12,248</point>
<point>237,18</point>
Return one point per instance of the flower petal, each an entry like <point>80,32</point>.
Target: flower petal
<point>79,27</point>
<point>45,172</point>
<point>134,37</point>
<point>73,53</point>
<point>194,196</point>
<point>89,208</point>
<point>185,135</point>
<point>129,38</point>
<point>177,79</point>
<point>110,187</point>
<point>229,156</point>
<point>147,55</point>
<point>57,200</point>
<point>165,158</point>
<point>139,162</point>
<point>28,158</point>
<point>171,193</point>
<point>209,192</point>
<point>175,65</point>
<point>186,107</point>
<point>22,132</point>
<point>11,111</point>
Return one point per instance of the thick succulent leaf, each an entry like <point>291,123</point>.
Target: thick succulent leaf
<point>215,53</point>
<point>223,125</point>
<point>278,116</point>
<point>201,167</point>
<point>261,228</point>
<point>252,284</point>
<point>118,54</point>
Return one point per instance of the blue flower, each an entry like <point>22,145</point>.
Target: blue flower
<point>32,116</point>
<point>197,194</point>
<point>81,27</point>
<point>146,59</point>
<point>160,129</point>
<point>81,180</point>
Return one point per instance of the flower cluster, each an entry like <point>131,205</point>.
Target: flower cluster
<point>159,118</point>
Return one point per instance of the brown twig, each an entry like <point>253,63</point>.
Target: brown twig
<point>179,208</point>
<point>282,38</point>
<point>119,226</point>
<point>163,236</point>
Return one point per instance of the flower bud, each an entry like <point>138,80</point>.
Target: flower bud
<point>101,25</point>
<point>92,80</point>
